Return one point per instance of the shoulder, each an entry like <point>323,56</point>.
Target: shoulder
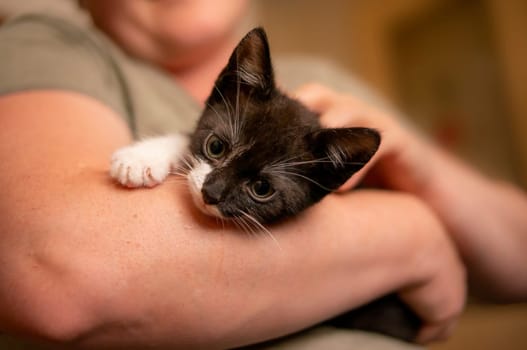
<point>48,36</point>
<point>45,52</point>
<point>41,51</point>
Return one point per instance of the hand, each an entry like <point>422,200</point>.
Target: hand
<point>438,296</point>
<point>439,300</point>
<point>484,217</point>
<point>400,161</point>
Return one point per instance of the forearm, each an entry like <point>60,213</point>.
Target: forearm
<point>148,263</point>
<point>487,219</point>
<point>87,261</point>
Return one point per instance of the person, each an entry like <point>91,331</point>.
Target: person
<point>87,263</point>
<point>484,216</point>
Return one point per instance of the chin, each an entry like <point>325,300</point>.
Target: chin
<point>210,210</point>
<point>198,22</point>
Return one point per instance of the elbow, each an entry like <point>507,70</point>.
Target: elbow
<point>47,301</point>
<point>59,323</point>
<point>46,318</point>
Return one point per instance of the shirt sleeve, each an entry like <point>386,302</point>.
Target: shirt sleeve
<point>42,52</point>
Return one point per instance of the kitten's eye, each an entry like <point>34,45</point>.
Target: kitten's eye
<point>214,147</point>
<point>261,190</point>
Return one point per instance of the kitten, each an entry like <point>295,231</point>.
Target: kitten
<point>256,155</point>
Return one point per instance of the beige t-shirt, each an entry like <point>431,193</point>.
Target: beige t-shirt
<point>45,52</point>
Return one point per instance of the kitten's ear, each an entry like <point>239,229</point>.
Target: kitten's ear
<point>250,65</point>
<point>343,152</point>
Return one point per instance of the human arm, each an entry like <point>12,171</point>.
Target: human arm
<point>88,262</point>
<point>487,221</point>
<point>485,217</point>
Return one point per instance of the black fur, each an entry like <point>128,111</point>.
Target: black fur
<point>260,128</point>
<point>273,128</point>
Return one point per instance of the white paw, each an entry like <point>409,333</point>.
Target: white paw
<point>137,166</point>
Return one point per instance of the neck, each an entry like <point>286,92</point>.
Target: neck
<point>198,77</point>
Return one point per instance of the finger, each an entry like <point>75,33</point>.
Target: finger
<point>316,97</point>
<point>345,115</point>
<point>352,182</point>
<point>357,178</point>
<point>435,332</point>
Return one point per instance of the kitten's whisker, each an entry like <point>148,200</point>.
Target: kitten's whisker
<point>226,120</point>
<point>250,227</point>
<point>284,172</point>
<point>180,167</point>
<point>176,177</point>
<point>243,226</point>
<point>242,117</point>
<point>314,161</point>
<point>222,220</point>
<point>237,122</point>
<point>218,114</point>
<point>230,112</point>
<point>179,174</point>
<point>194,160</point>
<point>285,161</point>
<point>259,226</point>
<point>175,181</point>
<point>237,224</point>
<point>238,80</point>
<point>186,162</point>
<point>228,106</point>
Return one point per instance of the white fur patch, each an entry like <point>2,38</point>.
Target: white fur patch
<point>147,163</point>
<point>196,177</point>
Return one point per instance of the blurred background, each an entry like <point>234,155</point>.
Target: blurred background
<point>457,68</point>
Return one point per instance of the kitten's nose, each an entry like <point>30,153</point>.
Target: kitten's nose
<point>210,198</point>
<point>212,192</point>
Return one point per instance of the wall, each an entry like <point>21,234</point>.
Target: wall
<point>368,37</point>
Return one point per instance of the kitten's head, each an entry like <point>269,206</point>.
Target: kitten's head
<point>262,154</point>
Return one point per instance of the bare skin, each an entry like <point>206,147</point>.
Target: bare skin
<point>86,262</point>
<point>485,217</point>
<point>191,40</point>
<point>104,266</point>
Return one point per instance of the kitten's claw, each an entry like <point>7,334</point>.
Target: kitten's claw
<point>135,166</point>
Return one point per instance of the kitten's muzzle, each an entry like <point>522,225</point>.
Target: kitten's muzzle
<point>213,190</point>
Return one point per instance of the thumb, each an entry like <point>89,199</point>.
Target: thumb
<point>316,97</point>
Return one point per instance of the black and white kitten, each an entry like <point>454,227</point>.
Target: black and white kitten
<point>254,149</point>
<point>259,154</point>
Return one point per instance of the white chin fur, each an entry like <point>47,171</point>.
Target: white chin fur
<point>196,177</point>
